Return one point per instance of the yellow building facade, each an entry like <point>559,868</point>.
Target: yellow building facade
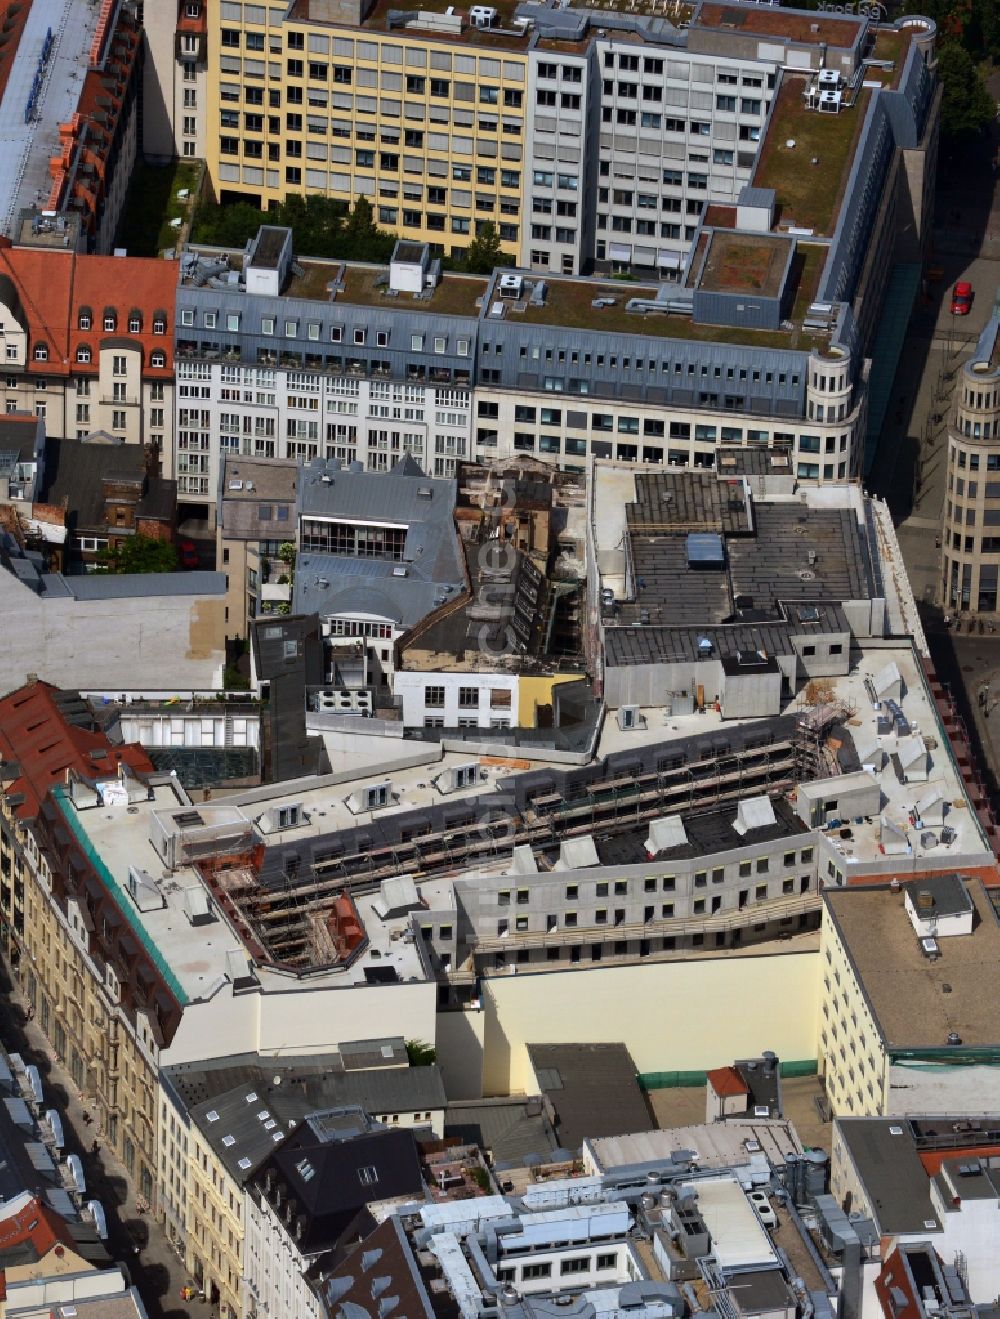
<point>429,127</point>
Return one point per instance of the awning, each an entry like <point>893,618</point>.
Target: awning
<point>619,252</point>
<point>669,260</point>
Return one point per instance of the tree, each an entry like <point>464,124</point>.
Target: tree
<point>966,105</point>
<point>420,1054</point>
<point>140,554</point>
<point>484,250</point>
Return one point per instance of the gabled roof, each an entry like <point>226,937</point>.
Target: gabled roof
<point>329,1181</point>
<point>44,732</point>
<point>727,1082</point>
<point>51,288</point>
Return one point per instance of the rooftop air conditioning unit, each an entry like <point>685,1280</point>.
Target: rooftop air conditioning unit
<point>511,286</point>
<point>482,16</point>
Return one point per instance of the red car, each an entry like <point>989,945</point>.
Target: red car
<point>187,553</point>
<point>961,299</point>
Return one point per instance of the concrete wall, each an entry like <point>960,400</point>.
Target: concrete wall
<point>672,1016</point>
<point>460,1052</point>
<point>301,1020</point>
<point>176,642</point>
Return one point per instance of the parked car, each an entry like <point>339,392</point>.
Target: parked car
<point>961,299</point>
<point>187,554</point>
<point>764,1211</point>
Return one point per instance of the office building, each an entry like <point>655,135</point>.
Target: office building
<point>335,362</point>
<point>970,544</point>
<point>585,135</point>
<point>901,1003</point>
<point>88,344</point>
<point>928,1185</point>
<point>378,552</point>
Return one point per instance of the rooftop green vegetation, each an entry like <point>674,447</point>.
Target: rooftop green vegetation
<point>569,303</point>
<point>808,195</point>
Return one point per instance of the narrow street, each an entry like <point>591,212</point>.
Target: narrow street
<point>134,1238</point>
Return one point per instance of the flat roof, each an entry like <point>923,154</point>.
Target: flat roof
<point>810,28</point>
<point>368,286</point>
<point>717,1144</point>
<point>708,834</point>
<point>739,1240</point>
<point>504,37</point>
<point>570,303</point>
<point>895,1181</point>
<point>807,194</point>
<point>745,263</point>
<point>593,1089</point>
<point>904,988</point>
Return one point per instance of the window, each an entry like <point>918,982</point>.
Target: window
<point>158,358</point>
<point>110,320</point>
<point>118,365</point>
<point>536,1271</point>
<point>41,352</point>
<point>606,1261</point>
<point>434,698</point>
<point>83,353</point>
<point>468,698</point>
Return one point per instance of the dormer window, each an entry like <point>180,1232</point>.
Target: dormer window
<point>83,353</point>
<point>110,318</point>
<point>159,323</point>
<point>41,352</point>
<point>134,321</point>
<point>158,358</point>
<point>86,318</point>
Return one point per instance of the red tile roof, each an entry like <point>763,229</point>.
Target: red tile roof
<point>87,141</point>
<point>53,288</point>
<point>34,1223</point>
<point>727,1082</point>
<point>38,739</point>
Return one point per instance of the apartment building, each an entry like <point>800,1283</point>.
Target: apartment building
<point>85,1005</point>
<point>175,80</point>
<point>255,517</point>
<point>235,1111</point>
<point>88,344</point>
<point>105,960</point>
<point>309,1191</point>
<point>970,543</point>
<point>904,1027</point>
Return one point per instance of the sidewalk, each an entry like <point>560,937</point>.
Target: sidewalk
<point>154,1268</point>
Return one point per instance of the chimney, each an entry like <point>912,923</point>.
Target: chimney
<point>925,902</point>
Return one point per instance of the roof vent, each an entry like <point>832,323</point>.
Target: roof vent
<point>954,1037</point>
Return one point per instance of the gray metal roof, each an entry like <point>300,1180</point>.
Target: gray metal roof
<point>895,1182</point>
<point>593,1089</point>
<point>755,196</point>
<point>509,1129</point>
<point>432,566</point>
<point>244,1124</point>
<point>115,586</point>
<point>328,489</point>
